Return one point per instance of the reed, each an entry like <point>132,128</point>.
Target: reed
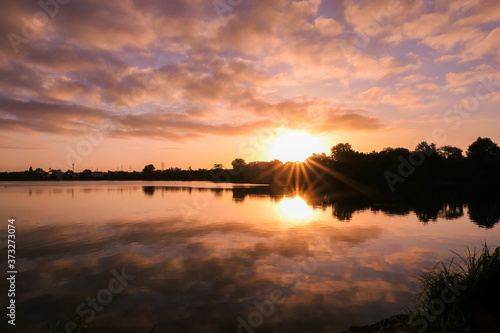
<point>461,295</point>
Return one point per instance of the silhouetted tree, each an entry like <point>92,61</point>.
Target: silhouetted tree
<point>450,152</point>
<point>238,163</point>
<point>344,169</point>
<point>424,147</point>
<point>395,151</point>
<point>86,174</point>
<point>483,149</point>
<point>340,151</point>
<point>319,158</point>
<point>483,161</point>
<point>148,168</point>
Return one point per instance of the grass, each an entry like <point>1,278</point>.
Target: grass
<point>462,295</point>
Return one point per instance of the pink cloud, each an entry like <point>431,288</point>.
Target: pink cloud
<point>176,70</point>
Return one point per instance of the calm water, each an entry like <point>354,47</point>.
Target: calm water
<point>208,257</point>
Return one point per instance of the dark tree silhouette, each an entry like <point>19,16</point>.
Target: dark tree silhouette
<point>148,169</point>
<point>321,159</point>
<point>340,151</point>
<point>86,174</point>
<point>376,173</point>
<point>483,149</point>
<point>450,152</point>
<point>424,147</point>
<point>238,163</point>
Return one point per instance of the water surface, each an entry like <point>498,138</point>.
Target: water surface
<point>211,257</point>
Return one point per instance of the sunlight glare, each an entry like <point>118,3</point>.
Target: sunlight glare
<point>295,208</point>
<point>293,146</point>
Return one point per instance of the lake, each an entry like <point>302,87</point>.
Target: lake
<point>208,257</point>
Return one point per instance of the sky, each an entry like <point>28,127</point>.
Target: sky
<point>120,84</point>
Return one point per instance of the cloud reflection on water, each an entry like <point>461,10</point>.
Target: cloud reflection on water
<point>201,274</point>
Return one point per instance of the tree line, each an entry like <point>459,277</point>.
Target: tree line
<point>390,169</point>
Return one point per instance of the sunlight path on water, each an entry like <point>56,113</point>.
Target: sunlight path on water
<point>295,208</point>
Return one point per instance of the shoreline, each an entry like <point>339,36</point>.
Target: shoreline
<point>390,324</point>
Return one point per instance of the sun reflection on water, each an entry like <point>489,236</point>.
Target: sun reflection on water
<point>295,208</point>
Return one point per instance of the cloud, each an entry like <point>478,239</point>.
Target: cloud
<point>26,147</point>
<point>406,97</point>
<point>478,49</point>
<point>427,86</point>
<point>473,76</point>
<point>74,120</point>
<point>328,26</point>
<point>177,70</point>
<point>364,15</point>
<point>373,94</point>
<point>481,12</point>
<point>447,58</point>
<point>64,119</point>
<point>425,25</point>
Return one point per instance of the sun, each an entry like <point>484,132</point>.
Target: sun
<point>294,146</point>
